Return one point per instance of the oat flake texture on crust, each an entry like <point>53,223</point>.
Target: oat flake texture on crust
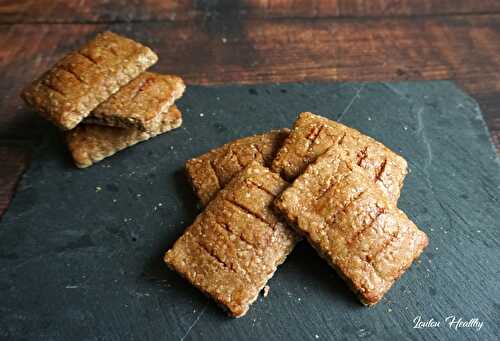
<point>236,244</point>
<point>90,143</point>
<point>83,79</point>
<point>312,135</point>
<point>210,172</point>
<point>140,103</point>
<point>351,223</point>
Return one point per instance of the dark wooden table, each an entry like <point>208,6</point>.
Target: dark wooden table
<point>254,41</point>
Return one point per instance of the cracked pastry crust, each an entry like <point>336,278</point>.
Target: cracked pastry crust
<point>351,223</point>
<point>213,170</point>
<point>90,143</point>
<point>139,103</point>
<point>81,80</point>
<point>312,135</point>
<point>236,244</point>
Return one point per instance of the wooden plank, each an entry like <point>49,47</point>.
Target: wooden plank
<point>59,11</point>
<point>13,161</point>
<point>100,11</point>
<point>412,7</point>
<point>490,106</point>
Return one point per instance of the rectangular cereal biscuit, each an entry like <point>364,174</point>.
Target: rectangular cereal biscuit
<point>235,245</point>
<point>81,80</point>
<point>90,143</point>
<point>140,103</point>
<point>312,135</point>
<point>352,224</point>
<point>213,170</point>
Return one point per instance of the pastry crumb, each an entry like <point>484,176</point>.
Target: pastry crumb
<point>265,291</point>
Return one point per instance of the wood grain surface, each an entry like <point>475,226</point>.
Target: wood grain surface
<point>13,160</point>
<point>86,11</point>
<point>256,41</point>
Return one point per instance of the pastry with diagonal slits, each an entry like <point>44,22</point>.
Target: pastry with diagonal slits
<point>351,223</point>
<point>211,171</point>
<point>235,245</point>
<point>140,103</point>
<point>83,79</point>
<point>312,135</point>
<point>90,143</point>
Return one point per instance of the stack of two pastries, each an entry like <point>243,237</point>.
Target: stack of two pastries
<point>103,96</point>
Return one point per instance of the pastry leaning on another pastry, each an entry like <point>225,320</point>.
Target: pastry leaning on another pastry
<point>90,143</point>
<point>141,110</point>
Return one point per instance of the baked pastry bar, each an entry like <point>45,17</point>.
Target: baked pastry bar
<point>212,171</point>
<point>90,143</point>
<point>235,245</point>
<point>139,103</point>
<point>351,223</point>
<point>312,135</point>
<point>82,80</point>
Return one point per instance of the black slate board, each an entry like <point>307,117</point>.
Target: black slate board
<point>81,250</point>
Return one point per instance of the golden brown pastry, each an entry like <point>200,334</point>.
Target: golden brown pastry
<point>312,135</point>
<point>83,79</point>
<point>235,245</point>
<point>351,223</point>
<point>140,103</point>
<point>90,143</point>
<point>213,170</point>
